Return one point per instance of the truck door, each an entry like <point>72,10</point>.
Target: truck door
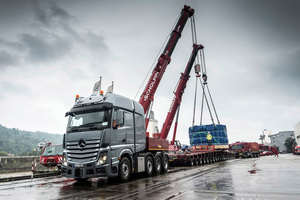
<point>122,127</point>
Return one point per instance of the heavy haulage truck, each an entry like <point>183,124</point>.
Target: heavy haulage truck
<point>106,135</point>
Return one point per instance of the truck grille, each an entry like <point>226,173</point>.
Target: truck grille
<point>88,153</point>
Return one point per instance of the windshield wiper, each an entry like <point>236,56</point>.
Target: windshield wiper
<point>75,128</point>
<point>89,124</point>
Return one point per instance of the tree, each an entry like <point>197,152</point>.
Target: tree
<point>289,144</point>
<point>262,137</point>
<point>3,153</point>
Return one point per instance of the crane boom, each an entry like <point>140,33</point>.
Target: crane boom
<point>179,92</point>
<point>164,59</point>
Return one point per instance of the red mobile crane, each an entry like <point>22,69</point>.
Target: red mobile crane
<point>147,97</point>
<point>178,95</point>
<point>163,61</point>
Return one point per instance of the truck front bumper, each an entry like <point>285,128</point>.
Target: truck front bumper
<point>90,170</point>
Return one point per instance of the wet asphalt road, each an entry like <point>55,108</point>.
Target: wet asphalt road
<point>253,178</point>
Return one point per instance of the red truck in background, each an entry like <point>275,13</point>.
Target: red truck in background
<point>245,149</point>
<point>51,155</point>
<point>297,150</point>
<point>266,150</point>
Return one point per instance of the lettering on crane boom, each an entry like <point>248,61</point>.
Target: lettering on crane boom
<point>151,86</point>
<point>172,104</point>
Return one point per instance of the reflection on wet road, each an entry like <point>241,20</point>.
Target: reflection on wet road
<point>254,178</point>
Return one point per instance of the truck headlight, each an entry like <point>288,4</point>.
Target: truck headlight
<point>102,158</point>
<point>64,160</point>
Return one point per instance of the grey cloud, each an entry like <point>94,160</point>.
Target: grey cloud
<point>9,53</point>
<point>47,16</point>
<point>7,60</point>
<point>55,34</point>
<point>11,45</point>
<point>289,65</point>
<point>14,87</point>
<point>52,36</point>
<point>59,12</point>
<point>96,42</point>
<point>40,50</point>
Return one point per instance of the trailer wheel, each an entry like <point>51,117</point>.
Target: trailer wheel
<point>149,166</point>
<point>124,169</point>
<point>165,163</point>
<point>191,161</point>
<point>196,161</point>
<point>157,164</point>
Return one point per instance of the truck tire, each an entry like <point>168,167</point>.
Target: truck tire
<point>149,166</point>
<point>165,163</point>
<point>124,169</point>
<point>157,164</point>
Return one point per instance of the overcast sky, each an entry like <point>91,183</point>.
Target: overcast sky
<point>52,50</point>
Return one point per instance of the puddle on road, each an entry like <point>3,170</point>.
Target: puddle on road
<point>253,171</point>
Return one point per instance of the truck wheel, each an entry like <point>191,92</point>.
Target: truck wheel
<point>157,164</point>
<point>165,163</point>
<point>149,166</point>
<point>124,169</point>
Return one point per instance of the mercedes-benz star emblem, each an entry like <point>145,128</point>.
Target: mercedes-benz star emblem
<point>82,143</point>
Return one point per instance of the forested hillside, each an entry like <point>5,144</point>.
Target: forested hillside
<point>20,142</point>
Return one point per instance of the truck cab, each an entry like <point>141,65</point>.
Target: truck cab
<point>102,130</point>
<point>51,155</point>
<point>245,149</point>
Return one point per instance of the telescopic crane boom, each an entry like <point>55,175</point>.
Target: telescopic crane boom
<point>179,92</point>
<point>163,61</point>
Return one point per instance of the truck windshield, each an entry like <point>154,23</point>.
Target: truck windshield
<point>53,150</point>
<point>89,118</point>
<point>237,147</point>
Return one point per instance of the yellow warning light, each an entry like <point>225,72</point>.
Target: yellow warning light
<point>101,92</point>
<point>77,95</point>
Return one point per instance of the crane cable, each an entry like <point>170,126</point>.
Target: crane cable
<point>203,66</point>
